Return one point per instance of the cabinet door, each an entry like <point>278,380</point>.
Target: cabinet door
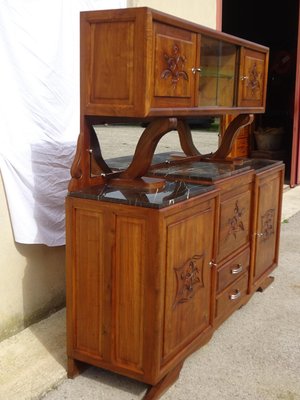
<point>252,79</point>
<point>266,233</point>
<point>235,215</point>
<point>189,250</point>
<point>217,75</point>
<point>88,293</point>
<point>174,59</point>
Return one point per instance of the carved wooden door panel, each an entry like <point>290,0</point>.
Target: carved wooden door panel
<point>252,78</point>
<point>174,59</point>
<point>266,232</point>
<point>88,292</point>
<point>189,251</point>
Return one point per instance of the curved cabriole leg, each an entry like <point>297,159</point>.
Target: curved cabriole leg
<point>186,139</point>
<point>76,168</point>
<point>146,147</point>
<point>156,391</point>
<point>230,135</point>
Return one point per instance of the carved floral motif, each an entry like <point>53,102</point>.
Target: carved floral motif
<point>236,223</point>
<point>189,279</point>
<point>254,78</point>
<point>267,224</point>
<point>175,63</point>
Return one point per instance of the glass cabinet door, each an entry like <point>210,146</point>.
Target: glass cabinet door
<point>217,74</point>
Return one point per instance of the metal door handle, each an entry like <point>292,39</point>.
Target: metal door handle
<point>196,69</point>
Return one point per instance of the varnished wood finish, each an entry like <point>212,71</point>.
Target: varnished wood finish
<point>230,135</point>
<point>146,287</point>
<point>241,144</point>
<point>139,62</point>
<point>253,72</point>
<point>186,140</point>
<point>159,389</point>
<point>146,146</point>
<point>130,292</point>
<point>265,283</point>
<point>268,189</point>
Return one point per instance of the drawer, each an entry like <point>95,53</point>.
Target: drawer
<point>233,269</point>
<point>230,299</point>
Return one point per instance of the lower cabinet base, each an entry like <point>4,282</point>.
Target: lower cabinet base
<point>155,391</point>
<point>172,370</point>
<point>265,283</point>
<point>147,287</point>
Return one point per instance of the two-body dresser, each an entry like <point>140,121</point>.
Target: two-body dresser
<point>161,251</point>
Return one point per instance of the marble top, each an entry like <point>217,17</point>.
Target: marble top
<point>260,164</point>
<point>204,171</point>
<point>199,171</point>
<point>171,193</point>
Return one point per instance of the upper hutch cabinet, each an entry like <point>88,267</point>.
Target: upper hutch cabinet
<point>142,63</point>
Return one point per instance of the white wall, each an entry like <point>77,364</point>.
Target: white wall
<point>32,278</point>
<point>202,12</point>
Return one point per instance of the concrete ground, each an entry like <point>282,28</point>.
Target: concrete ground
<point>254,355</point>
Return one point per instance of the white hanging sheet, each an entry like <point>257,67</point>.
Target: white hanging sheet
<point>39,110</point>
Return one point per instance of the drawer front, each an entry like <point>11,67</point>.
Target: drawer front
<point>229,300</point>
<point>234,224</point>
<point>233,269</point>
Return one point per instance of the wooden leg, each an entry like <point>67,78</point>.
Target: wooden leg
<point>75,367</point>
<point>230,135</point>
<point>154,392</point>
<point>267,282</point>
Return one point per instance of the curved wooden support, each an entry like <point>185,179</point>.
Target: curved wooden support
<point>230,135</point>
<point>96,152</point>
<point>156,391</point>
<point>146,147</point>
<point>76,168</point>
<point>81,167</point>
<point>186,139</point>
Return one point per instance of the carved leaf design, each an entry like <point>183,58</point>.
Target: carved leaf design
<point>189,279</point>
<point>175,66</point>
<point>236,223</point>
<point>267,223</point>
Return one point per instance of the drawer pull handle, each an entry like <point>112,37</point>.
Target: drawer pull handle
<point>237,270</point>
<point>235,295</point>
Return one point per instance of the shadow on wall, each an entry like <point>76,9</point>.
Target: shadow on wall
<point>43,281</point>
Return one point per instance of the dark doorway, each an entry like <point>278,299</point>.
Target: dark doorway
<point>273,24</point>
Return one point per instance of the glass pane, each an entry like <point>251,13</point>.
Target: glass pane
<point>217,76</point>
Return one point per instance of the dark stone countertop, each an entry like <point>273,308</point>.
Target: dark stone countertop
<point>204,171</point>
<point>171,193</point>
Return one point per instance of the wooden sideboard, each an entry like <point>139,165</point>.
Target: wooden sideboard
<point>160,254</point>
